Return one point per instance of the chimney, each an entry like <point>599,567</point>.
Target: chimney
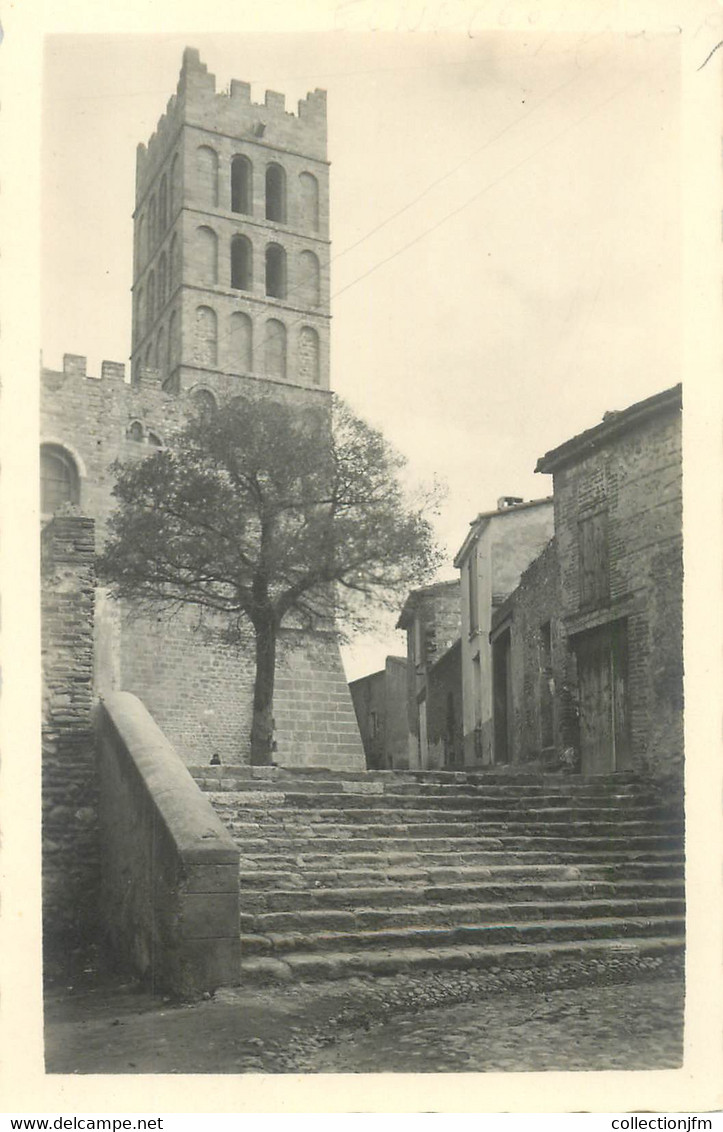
<point>506,501</point>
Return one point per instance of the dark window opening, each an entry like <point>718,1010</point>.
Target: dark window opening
<point>594,560</point>
<point>59,481</point>
<point>276,194</point>
<point>241,172</point>
<point>276,271</point>
<point>241,263</point>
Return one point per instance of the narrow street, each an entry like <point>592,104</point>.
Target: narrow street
<point>457,1023</point>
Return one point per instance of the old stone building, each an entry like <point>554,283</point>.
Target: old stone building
<point>618,530</point>
<point>431,619</point>
<point>587,652</point>
<point>380,703</point>
<point>230,298</point>
<point>499,546</point>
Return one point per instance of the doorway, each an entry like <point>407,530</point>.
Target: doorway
<point>602,666</point>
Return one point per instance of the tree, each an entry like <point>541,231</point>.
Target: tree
<point>265,514</point>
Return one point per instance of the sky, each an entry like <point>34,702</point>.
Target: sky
<point>505,223</point>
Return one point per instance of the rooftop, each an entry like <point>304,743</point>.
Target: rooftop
<point>613,424</point>
<point>478,525</point>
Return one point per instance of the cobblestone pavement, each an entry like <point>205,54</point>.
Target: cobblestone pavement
<point>620,1027</point>
<point>557,1018</point>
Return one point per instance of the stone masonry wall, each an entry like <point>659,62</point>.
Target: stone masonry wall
<point>544,715</point>
<point>69,783</point>
<point>636,477</point>
<point>315,723</point>
<point>198,691</point>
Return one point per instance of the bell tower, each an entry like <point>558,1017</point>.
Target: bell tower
<point>231,242</point>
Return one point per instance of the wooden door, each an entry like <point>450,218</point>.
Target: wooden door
<point>602,676</point>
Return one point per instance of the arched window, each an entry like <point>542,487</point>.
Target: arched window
<point>205,345</point>
<point>309,280</point>
<point>207,175</point>
<point>276,194</point>
<point>241,263</point>
<point>162,281</point>
<point>275,348</point>
<point>308,359</point>
<point>174,273</point>
<point>241,343</point>
<point>241,185</point>
<point>203,401</point>
<point>59,479</point>
<point>163,206</point>
<point>152,224</point>
<point>276,271</point>
<point>174,342</point>
<point>135,432</point>
<point>175,194</point>
<point>151,300</point>
<point>140,243</point>
<point>309,200</point>
<point>206,257</point>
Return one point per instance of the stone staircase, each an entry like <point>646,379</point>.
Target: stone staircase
<point>347,874</point>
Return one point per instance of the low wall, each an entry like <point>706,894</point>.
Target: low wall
<point>169,868</point>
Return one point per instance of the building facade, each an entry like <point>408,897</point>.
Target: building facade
<point>431,619</point>
<point>618,532</point>
<point>230,298</point>
<point>380,703</point>
<point>499,546</point>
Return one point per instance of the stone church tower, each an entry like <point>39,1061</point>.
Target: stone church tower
<point>230,298</point>
<point>231,242</point>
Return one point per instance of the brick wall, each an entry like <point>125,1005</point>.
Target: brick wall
<point>69,781</point>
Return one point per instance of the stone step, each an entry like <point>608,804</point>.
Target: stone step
<point>448,797</point>
<point>390,896</point>
<point>477,935</point>
<point>300,877</point>
<point>424,793</point>
<point>373,826</point>
<point>238,807</point>
<point>474,776</point>
<point>371,962</point>
<point>297,924</point>
<point>272,861</point>
<point>366,839</point>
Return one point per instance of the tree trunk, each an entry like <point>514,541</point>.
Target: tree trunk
<point>262,727</point>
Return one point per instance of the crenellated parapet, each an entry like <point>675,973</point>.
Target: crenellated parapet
<point>198,103</point>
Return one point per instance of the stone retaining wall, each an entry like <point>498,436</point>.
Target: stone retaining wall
<point>69,782</point>
<point>169,895</point>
